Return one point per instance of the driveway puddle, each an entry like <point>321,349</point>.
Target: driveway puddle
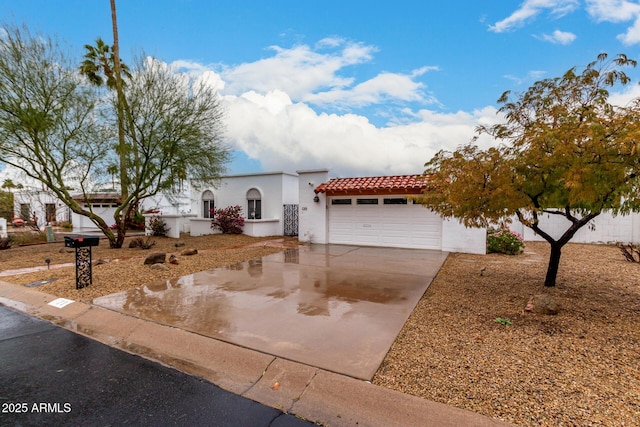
<point>338,308</point>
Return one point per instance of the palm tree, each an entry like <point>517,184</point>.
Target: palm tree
<point>98,62</point>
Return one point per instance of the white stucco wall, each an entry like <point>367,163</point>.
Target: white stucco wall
<point>605,228</point>
<point>312,221</point>
<point>37,200</point>
<point>456,237</point>
<point>276,189</point>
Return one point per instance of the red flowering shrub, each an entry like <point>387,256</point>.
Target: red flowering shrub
<point>229,220</point>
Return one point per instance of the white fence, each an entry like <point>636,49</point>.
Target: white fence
<point>603,229</point>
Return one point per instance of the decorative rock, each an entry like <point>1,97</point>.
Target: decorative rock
<point>155,258</point>
<point>189,252</point>
<point>173,259</point>
<point>160,267</point>
<point>529,306</point>
<point>544,304</point>
<point>179,244</point>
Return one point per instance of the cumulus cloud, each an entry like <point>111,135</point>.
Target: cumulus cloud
<point>558,37</point>
<point>301,69</point>
<point>295,110</point>
<point>284,135</point>
<point>529,9</point>
<point>617,11</point>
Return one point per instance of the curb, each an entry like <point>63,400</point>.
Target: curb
<point>316,395</point>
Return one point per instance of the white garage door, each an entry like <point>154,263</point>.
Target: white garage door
<point>381,221</point>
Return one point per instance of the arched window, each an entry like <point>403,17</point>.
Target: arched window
<point>254,204</point>
<point>207,204</point>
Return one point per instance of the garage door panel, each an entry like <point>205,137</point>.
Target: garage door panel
<point>410,226</point>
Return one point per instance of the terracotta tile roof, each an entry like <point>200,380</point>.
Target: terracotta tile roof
<point>400,184</point>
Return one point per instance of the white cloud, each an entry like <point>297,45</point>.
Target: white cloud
<point>271,116</point>
<point>284,135</point>
<point>531,77</point>
<point>299,70</point>
<point>618,11</point>
<point>558,37</point>
<point>383,87</point>
<point>529,9</point>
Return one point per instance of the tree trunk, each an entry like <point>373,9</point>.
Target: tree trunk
<point>122,146</point>
<point>554,263</point>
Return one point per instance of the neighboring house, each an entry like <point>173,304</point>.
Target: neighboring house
<point>40,206</point>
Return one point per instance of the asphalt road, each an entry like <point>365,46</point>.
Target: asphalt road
<point>51,376</point>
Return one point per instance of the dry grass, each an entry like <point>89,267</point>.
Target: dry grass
<point>579,367</point>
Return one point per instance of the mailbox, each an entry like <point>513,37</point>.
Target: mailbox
<point>80,241</point>
<point>82,245</point>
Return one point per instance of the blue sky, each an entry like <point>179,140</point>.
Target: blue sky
<point>359,87</point>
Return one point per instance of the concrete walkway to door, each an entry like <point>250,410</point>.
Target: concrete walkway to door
<point>334,307</point>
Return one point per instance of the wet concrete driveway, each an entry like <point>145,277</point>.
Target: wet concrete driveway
<point>338,308</point>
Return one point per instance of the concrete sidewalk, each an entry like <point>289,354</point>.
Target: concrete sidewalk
<point>316,395</point>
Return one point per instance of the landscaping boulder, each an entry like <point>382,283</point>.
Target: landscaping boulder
<point>160,267</point>
<point>155,258</point>
<point>542,304</point>
<point>179,244</point>
<point>189,252</point>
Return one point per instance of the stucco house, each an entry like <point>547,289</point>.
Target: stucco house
<point>368,211</point>
<point>269,203</point>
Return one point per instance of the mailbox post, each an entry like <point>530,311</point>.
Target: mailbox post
<point>82,245</point>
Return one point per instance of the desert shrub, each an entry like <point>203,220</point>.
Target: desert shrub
<point>5,243</point>
<point>29,238</point>
<point>229,220</point>
<point>139,242</point>
<point>65,224</point>
<point>158,227</point>
<point>504,241</point>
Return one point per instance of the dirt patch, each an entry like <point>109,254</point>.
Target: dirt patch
<point>579,367</point>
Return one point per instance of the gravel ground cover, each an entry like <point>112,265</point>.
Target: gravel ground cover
<point>580,367</point>
<point>124,268</point>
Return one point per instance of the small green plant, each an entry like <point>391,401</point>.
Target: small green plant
<point>502,321</point>
<point>148,243</point>
<point>229,220</point>
<point>65,224</point>
<point>158,227</point>
<point>504,241</point>
<point>141,243</point>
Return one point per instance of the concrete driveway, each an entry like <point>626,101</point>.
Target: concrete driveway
<point>334,307</point>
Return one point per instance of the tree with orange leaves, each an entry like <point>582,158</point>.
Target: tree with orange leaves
<point>565,150</point>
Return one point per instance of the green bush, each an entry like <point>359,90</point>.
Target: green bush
<point>158,227</point>
<point>504,241</point>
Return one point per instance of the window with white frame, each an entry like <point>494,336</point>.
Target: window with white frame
<point>254,204</point>
<point>207,204</point>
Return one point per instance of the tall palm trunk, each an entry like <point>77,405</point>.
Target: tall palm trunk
<point>122,212</point>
